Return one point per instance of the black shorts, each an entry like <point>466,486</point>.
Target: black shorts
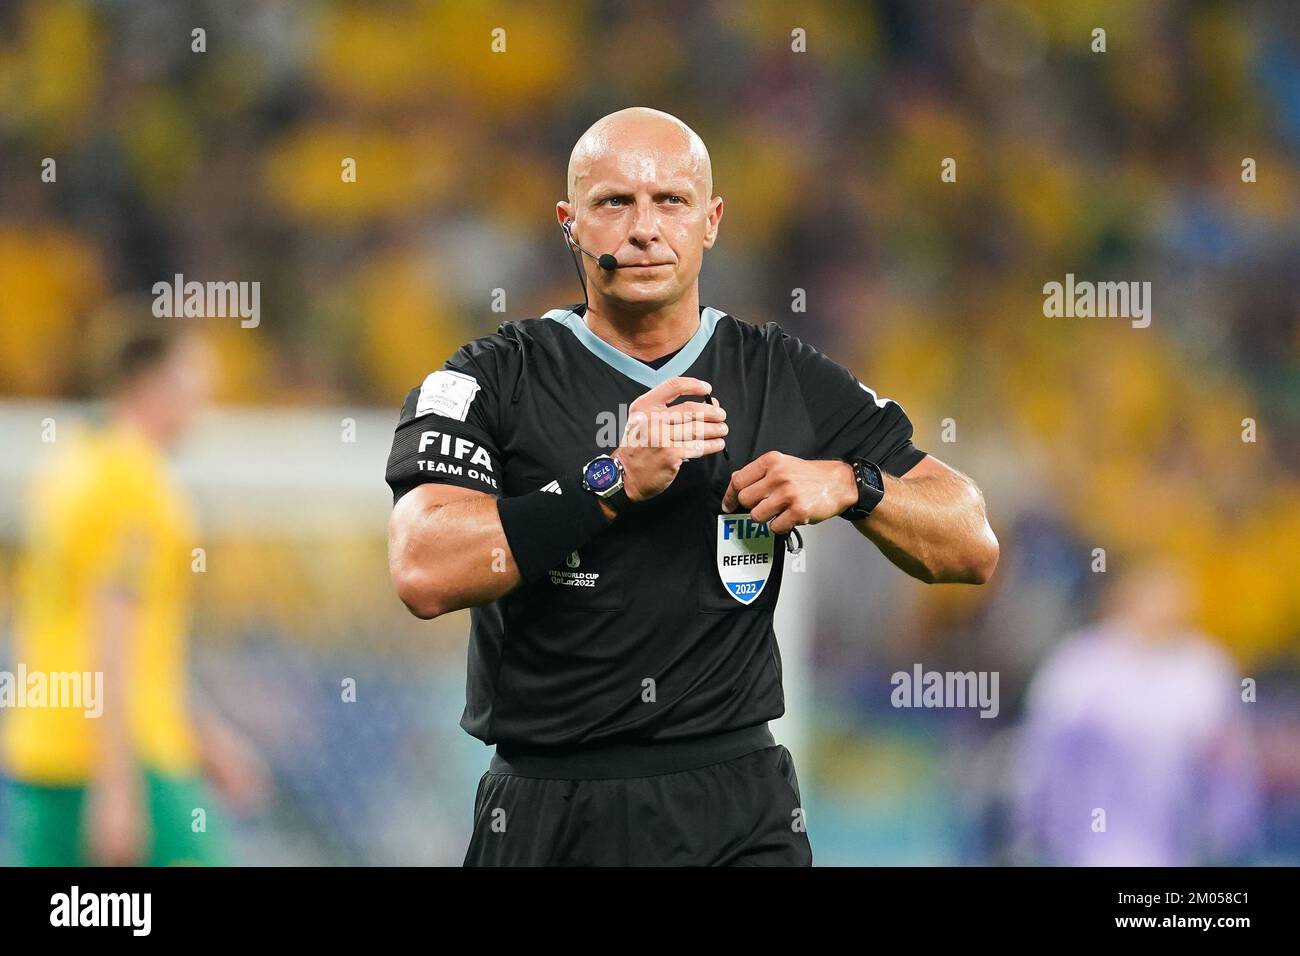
<point>727,800</point>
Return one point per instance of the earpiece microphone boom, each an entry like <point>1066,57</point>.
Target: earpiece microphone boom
<point>606,261</point>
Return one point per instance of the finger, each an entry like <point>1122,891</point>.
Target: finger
<point>698,448</point>
<point>676,387</point>
<point>665,426</point>
<point>750,496</point>
<point>749,474</point>
<point>691,412</point>
<point>637,430</point>
<point>782,523</point>
<point>661,434</point>
<point>771,506</point>
<point>692,430</point>
<point>741,479</point>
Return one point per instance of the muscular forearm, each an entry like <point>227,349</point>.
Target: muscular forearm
<point>450,555</point>
<point>934,527</point>
<point>447,553</point>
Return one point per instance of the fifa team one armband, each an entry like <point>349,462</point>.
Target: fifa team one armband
<point>435,449</point>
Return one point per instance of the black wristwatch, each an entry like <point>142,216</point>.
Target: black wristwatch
<point>603,477</point>
<point>871,488</point>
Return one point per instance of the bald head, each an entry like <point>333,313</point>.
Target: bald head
<point>647,138</point>
<point>641,190</point>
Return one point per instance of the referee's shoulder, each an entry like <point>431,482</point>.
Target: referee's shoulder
<point>746,331</point>
<point>769,336</point>
<point>507,347</point>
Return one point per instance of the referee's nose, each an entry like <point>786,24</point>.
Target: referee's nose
<point>645,227</point>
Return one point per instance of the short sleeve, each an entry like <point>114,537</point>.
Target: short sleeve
<point>447,429</point>
<point>849,420</point>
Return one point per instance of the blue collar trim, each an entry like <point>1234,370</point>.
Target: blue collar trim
<point>635,369</point>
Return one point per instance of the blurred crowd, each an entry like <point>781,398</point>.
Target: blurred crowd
<point>1093,440</point>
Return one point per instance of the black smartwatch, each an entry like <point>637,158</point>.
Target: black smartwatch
<point>871,488</point>
<point>603,477</point>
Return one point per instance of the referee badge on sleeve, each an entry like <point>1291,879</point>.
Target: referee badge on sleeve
<point>447,393</point>
<point>745,550</point>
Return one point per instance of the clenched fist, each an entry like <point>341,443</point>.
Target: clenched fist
<point>786,491</point>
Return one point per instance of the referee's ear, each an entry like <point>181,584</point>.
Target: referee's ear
<point>564,211</point>
<point>712,221</point>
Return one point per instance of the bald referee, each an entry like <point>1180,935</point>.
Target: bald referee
<point>623,580</point>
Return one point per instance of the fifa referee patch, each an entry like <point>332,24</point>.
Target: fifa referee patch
<point>745,551</point>
<point>447,393</point>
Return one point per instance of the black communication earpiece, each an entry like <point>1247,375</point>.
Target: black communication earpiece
<point>605,261</point>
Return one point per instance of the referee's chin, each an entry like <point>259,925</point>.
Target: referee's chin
<point>643,297</point>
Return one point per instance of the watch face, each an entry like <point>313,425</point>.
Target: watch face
<point>870,477</point>
<point>601,474</point>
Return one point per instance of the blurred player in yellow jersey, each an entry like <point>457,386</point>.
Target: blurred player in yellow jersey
<point>103,588</point>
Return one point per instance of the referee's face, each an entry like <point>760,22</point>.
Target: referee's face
<point>643,195</point>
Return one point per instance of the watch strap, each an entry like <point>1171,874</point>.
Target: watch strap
<point>871,484</point>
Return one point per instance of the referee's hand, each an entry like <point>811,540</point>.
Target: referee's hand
<point>658,438</point>
<point>786,491</point>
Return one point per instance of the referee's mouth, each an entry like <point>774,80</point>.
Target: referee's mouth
<point>646,265</point>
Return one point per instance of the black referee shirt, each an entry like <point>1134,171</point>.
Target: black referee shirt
<point>660,627</point>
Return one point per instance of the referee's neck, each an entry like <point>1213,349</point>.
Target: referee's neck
<point>643,334</point>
